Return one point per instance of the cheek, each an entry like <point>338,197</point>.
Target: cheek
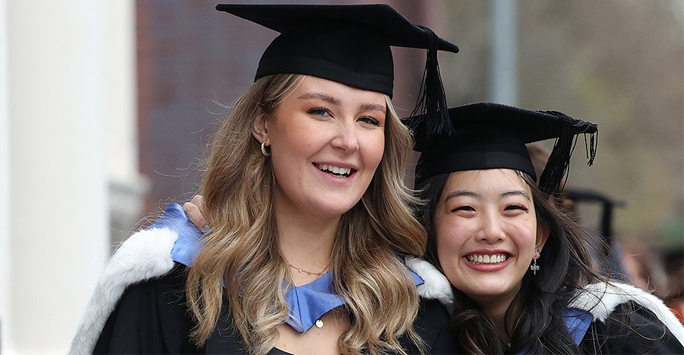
<point>373,146</point>
<point>525,234</point>
<point>291,145</point>
<point>448,255</point>
<point>450,238</point>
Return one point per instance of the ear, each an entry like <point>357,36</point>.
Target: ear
<point>260,127</point>
<point>542,235</point>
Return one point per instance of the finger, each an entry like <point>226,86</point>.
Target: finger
<point>198,201</point>
<point>195,215</point>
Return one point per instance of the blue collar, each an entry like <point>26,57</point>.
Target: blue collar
<point>310,302</point>
<point>578,322</point>
<point>307,303</point>
<point>188,244</point>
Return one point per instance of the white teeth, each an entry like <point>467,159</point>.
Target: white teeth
<point>487,259</point>
<point>335,169</point>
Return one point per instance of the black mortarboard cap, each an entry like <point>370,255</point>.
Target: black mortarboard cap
<point>607,203</point>
<point>349,44</point>
<point>489,136</point>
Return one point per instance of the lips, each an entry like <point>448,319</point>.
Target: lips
<point>335,170</point>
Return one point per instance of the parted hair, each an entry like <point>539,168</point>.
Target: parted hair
<point>242,255</point>
<point>534,320</point>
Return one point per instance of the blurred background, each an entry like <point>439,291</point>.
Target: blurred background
<point>106,108</point>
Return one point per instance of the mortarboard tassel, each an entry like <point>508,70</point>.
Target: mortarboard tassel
<point>591,148</point>
<point>559,161</point>
<point>431,105</point>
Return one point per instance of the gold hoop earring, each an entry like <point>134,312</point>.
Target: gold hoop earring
<point>263,150</point>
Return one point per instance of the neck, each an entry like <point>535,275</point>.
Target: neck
<point>500,327</point>
<point>306,242</point>
<point>496,311</point>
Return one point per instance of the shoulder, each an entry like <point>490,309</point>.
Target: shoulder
<point>432,322</point>
<point>432,311</point>
<point>169,286</point>
<point>150,317</point>
<point>436,285</point>
<point>144,256</point>
<point>631,328</point>
<point>432,326</point>
<point>625,312</point>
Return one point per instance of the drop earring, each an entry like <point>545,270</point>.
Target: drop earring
<point>534,267</point>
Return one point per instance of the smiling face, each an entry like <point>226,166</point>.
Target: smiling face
<point>487,235</point>
<point>326,141</point>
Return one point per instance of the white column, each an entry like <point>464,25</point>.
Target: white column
<point>59,104</point>
<point>126,185</point>
<point>5,241</point>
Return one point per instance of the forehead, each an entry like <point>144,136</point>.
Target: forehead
<point>486,180</point>
<point>339,91</point>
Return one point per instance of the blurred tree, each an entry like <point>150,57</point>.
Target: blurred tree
<point>617,63</point>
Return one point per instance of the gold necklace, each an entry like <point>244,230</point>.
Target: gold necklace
<point>319,322</point>
<point>300,270</point>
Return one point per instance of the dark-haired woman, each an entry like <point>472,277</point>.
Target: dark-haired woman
<point>518,270</point>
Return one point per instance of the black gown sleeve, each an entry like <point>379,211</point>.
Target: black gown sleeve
<point>432,325</point>
<point>630,329</point>
<point>150,318</point>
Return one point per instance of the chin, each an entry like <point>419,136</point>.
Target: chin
<point>332,211</point>
<point>484,290</point>
<point>335,204</point>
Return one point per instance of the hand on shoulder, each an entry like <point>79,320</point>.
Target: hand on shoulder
<point>195,211</point>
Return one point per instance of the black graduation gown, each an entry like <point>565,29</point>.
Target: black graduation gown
<point>622,318</point>
<point>151,317</point>
<point>630,329</point>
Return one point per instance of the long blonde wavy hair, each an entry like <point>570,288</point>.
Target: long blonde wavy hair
<point>241,251</point>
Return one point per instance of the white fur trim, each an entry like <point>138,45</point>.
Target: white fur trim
<point>436,285</point>
<point>601,299</point>
<point>144,255</point>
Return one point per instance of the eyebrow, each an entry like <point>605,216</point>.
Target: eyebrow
<point>335,101</point>
<point>517,193</point>
<point>374,107</point>
<point>320,96</point>
<point>459,193</point>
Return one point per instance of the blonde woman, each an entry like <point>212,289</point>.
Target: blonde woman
<point>309,213</point>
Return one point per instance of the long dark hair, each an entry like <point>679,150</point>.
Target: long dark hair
<point>534,320</point>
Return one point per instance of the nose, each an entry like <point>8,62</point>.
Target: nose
<point>491,229</point>
<point>346,138</point>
